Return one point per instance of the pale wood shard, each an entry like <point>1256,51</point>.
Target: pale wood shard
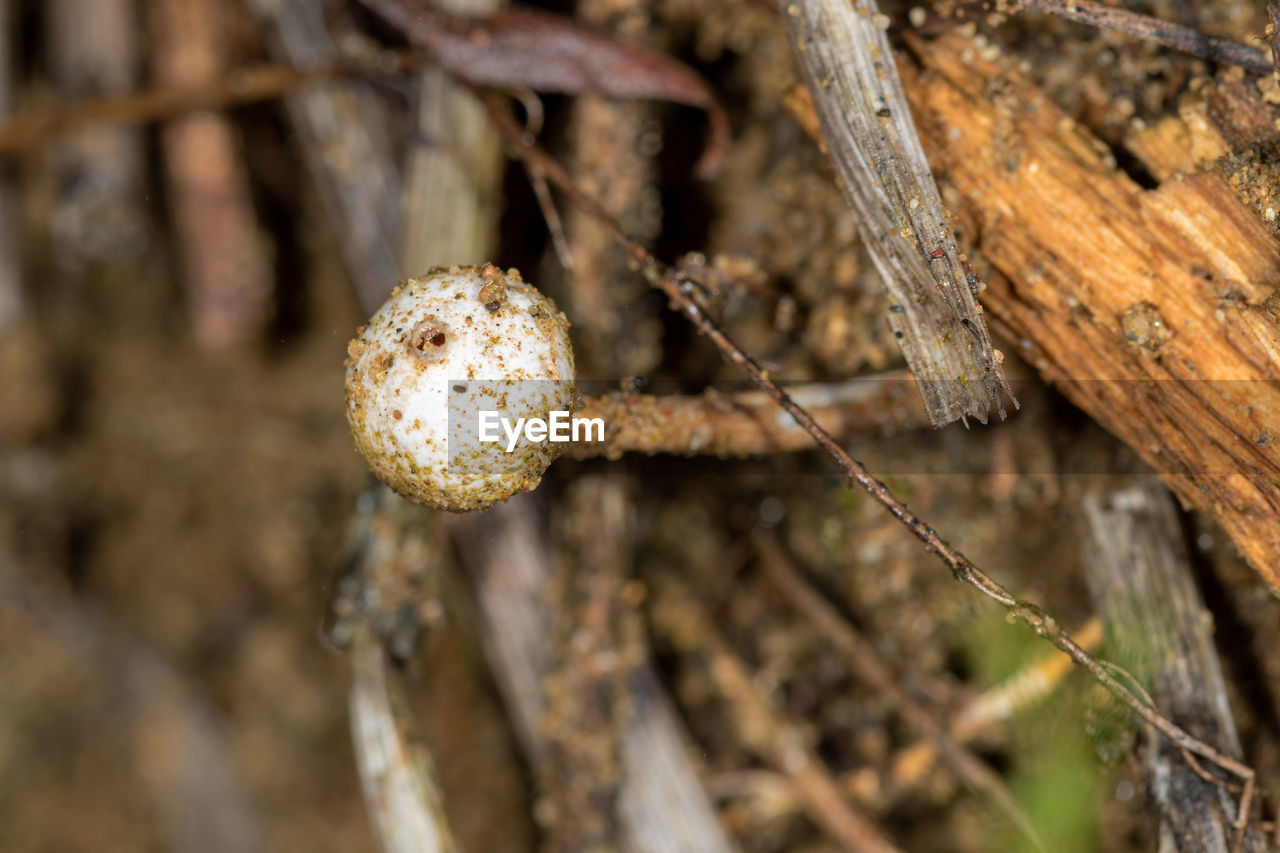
<point>844,53</point>
<point>397,774</point>
<point>1156,627</point>
<point>1148,309</point>
<point>748,423</point>
<point>1025,689</point>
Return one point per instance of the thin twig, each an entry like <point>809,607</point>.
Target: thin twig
<point>1181,38</point>
<point>679,289</point>
<point>554,224</point>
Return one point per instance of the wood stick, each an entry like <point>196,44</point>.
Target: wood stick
<point>12,301</point>
<point>1146,308</point>
<point>341,136</point>
<point>93,51</point>
<point>1157,629</point>
<point>396,774</point>
<point>377,612</point>
<point>226,274</point>
<point>848,65</point>
<point>613,152</point>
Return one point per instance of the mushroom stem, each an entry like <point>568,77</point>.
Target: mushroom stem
<point>747,423</point>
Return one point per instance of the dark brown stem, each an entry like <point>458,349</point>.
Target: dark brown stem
<point>768,731</point>
<point>1185,39</point>
<point>242,86</point>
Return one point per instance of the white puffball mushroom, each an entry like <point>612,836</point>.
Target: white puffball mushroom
<point>440,349</point>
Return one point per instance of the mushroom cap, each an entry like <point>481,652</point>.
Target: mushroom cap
<point>441,349</point>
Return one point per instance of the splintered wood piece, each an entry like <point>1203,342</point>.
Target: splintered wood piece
<point>93,51</point>
<point>397,774</point>
<point>1148,309</point>
<point>1156,628</point>
<point>1221,127</point>
<point>844,53</point>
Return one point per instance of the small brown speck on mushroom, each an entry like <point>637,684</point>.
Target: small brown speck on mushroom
<point>428,334</point>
